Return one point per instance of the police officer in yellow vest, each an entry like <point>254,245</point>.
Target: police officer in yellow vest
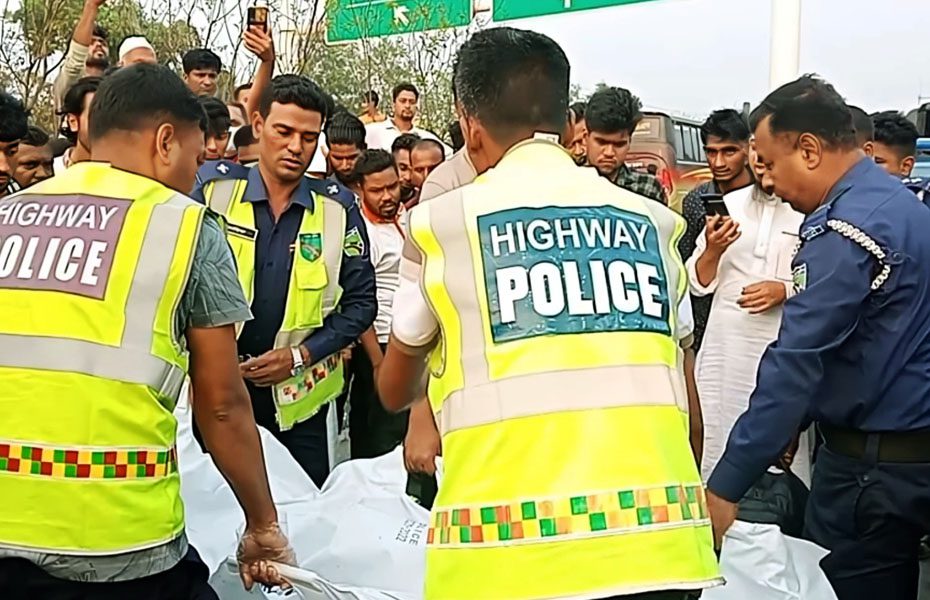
<point>547,316</point>
<point>113,287</point>
<point>302,252</point>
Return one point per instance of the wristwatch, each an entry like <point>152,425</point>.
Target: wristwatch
<point>298,360</point>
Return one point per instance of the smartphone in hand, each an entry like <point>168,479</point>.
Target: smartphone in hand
<point>258,17</point>
<point>714,205</point>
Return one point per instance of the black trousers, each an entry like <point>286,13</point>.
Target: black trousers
<point>373,431</point>
<point>23,580</point>
<point>871,516</point>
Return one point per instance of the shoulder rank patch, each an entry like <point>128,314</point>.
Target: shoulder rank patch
<point>799,278</point>
<point>353,245</point>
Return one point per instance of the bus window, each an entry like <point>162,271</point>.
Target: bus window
<point>690,150</point>
<point>679,143</point>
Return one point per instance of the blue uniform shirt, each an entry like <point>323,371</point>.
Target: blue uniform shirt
<point>274,251</point>
<point>846,355</point>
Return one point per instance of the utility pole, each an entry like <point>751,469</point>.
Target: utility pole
<point>785,52</point>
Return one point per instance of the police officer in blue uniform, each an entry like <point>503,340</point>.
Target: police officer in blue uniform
<point>291,115</point>
<point>852,355</point>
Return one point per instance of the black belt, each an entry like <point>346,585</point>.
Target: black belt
<point>893,447</point>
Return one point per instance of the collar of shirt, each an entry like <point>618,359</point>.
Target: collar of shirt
<point>815,222</point>
<point>256,191</point>
<point>539,150</point>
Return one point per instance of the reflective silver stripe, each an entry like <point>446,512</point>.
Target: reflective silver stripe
<point>334,233</point>
<point>132,361</point>
<point>447,221</point>
<point>591,389</point>
<point>222,195</point>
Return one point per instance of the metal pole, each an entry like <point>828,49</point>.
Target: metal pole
<point>785,53</point>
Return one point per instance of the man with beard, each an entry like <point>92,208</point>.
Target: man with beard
<point>345,138</point>
<point>382,135</point>
<point>76,111</point>
<point>401,149</point>
<point>87,56</point>
<point>13,127</point>
<point>299,243</point>
<point>579,129</point>
<point>374,431</point>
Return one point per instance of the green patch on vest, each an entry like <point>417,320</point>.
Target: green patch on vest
<point>354,245</point>
<point>311,246</point>
<point>799,278</point>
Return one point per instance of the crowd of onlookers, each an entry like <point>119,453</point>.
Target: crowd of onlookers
<point>739,272</point>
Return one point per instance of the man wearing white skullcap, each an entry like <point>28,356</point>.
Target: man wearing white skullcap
<point>135,50</point>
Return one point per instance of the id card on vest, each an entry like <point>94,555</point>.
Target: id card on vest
<point>552,271</point>
<point>300,397</point>
<point>59,243</point>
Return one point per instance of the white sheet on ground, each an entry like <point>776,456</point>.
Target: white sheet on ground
<point>761,563</point>
<point>359,538</point>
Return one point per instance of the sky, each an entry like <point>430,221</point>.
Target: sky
<point>693,56</point>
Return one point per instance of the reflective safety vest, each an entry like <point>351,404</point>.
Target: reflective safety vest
<point>558,389</point>
<point>313,292</point>
<point>93,265</point>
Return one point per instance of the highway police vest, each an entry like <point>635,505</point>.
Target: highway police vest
<point>313,291</point>
<point>93,264</point>
<point>558,390</point>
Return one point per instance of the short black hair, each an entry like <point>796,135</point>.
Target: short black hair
<point>241,88</point>
<point>14,124</point>
<point>218,119</point>
<point>345,128</point>
<point>404,87</point>
<point>373,161</point>
<point>894,130</point>
<point>73,102</point>
<point>35,136</point>
<point>427,142</point>
<point>60,145</point>
<point>405,141</point>
<point>201,59</point>
<point>143,95</point>
<point>101,32</point>
<point>299,90</point>
<point>862,123</point>
<point>808,105</point>
<point>371,96</point>
<point>513,81</point>
<point>244,137</point>
<point>613,110</point>
<point>579,108</point>
<point>456,135</point>
<point>727,124</point>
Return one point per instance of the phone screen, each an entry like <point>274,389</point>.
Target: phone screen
<point>714,205</point>
<point>258,17</point>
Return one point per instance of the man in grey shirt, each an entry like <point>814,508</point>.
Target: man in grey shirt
<point>124,120</point>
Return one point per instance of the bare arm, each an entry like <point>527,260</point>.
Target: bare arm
<point>402,376</point>
<point>422,444</point>
<point>72,68</point>
<point>84,32</point>
<point>695,415</point>
<point>372,348</point>
<point>261,44</point>
<point>223,412</point>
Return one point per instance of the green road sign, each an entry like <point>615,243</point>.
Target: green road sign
<point>504,10</point>
<point>360,19</point>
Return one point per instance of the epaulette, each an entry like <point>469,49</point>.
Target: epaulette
<point>335,190</point>
<point>221,169</point>
<point>919,186</point>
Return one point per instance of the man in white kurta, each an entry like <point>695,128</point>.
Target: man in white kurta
<point>751,273</point>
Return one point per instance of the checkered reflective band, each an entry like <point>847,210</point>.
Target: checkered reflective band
<point>554,519</point>
<point>86,463</point>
